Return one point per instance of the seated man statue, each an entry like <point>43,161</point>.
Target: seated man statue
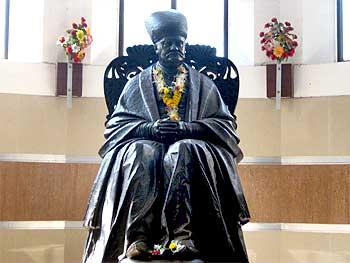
<point>168,186</point>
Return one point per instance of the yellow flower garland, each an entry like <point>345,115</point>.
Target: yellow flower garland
<point>171,96</point>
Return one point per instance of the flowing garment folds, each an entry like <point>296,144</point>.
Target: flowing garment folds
<point>147,188</point>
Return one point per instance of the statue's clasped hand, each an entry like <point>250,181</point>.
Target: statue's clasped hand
<point>168,130</point>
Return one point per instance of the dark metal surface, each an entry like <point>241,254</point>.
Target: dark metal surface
<point>340,31</point>
<point>7,29</point>
<point>202,58</point>
<point>225,28</point>
<point>154,191</point>
<point>169,158</point>
<point>121,28</point>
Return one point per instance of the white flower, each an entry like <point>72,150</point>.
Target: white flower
<point>75,48</point>
<point>175,246</point>
<point>159,248</point>
<point>59,43</point>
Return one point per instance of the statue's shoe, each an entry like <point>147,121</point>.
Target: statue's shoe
<point>139,250</point>
<point>187,251</point>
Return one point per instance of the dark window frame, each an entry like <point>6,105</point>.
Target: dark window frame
<point>340,32</point>
<point>7,30</point>
<point>340,47</point>
<point>173,5</point>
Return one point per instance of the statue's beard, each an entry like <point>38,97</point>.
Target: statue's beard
<point>175,53</point>
<point>174,58</point>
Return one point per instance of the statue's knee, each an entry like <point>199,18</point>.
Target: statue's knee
<point>142,155</point>
<point>179,149</point>
<point>148,150</point>
<point>184,145</point>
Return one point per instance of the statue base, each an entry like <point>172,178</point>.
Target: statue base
<point>127,260</point>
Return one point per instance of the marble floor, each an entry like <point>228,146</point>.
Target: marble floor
<point>264,246</point>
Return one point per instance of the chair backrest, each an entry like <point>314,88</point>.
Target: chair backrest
<point>203,58</point>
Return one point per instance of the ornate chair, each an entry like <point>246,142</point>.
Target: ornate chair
<point>203,58</point>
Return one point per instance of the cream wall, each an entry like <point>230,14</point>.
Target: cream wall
<point>304,127</point>
<point>44,125</point>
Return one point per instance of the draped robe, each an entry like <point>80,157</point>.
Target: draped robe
<point>159,191</point>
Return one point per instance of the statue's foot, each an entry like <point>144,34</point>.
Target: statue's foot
<point>186,251</point>
<point>139,250</point>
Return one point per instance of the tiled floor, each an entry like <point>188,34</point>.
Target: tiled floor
<point>65,246</point>
<point>298,247</point>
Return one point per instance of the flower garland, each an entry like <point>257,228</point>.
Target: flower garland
<point>173,247</point>
<point>171,95</point>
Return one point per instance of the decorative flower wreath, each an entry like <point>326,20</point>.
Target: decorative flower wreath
<point>173,247</point>
<point>171,95</point>
<point>278,42</point>
<point>76,41</point>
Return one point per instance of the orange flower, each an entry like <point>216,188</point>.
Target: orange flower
<point>278,51</point>
<point>81,55</point>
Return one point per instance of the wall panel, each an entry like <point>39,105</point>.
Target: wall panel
<point>41,191</point>
<point>275,193</point>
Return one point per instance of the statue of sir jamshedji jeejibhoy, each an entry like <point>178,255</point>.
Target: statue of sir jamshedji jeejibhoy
<point>168,187</point>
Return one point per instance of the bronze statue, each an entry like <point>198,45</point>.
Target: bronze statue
<point>168,186</point>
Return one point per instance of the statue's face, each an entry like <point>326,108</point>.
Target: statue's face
<point>171,51</point>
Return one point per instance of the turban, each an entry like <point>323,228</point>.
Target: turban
<point>166,23</point>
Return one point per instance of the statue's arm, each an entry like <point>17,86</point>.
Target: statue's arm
<point>192,130</point>
<point>144,130</point>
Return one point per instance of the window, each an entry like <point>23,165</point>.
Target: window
<point>21,31</point>
<point>207,16</point>
<point>205,22</point>
<point>241,37</point>
<point>136,12</point>
<point>26,29</point>
<point>343,32</point>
